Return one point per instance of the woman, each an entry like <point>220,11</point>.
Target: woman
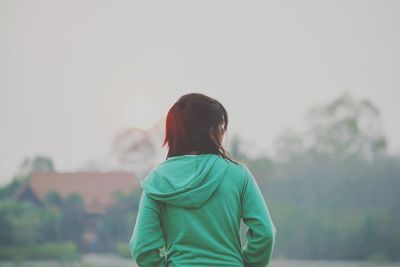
<point>192,203</point>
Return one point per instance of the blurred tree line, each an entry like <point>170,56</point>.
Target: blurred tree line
<point>332,189</point>
<point>60,220</point>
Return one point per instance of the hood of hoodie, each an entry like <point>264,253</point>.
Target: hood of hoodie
<point>186,181</point>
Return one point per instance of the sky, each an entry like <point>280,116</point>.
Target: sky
<point>75,73</point>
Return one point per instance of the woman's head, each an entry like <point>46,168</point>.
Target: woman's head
<point>198,123</point>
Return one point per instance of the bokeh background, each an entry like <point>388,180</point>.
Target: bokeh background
<point>311,88</point>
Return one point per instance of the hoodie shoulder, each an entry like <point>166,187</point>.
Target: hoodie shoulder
<point>239,173</point>
<point>240,168</point>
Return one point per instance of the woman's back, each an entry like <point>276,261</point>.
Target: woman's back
<point>192,205</point>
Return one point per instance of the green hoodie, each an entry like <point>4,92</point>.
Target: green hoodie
<point>189,215</point>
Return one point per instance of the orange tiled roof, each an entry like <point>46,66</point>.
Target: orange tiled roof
<point>95,188</point>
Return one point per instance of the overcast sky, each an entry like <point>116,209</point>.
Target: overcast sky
<point>74,73</point>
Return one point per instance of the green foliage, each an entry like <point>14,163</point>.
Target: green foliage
<point>73,222</point>
<point>118,221</point>
<point>38,163</point>
<point>22,223</point>
<point>59,251</point>
<point>123,250</point>
<point>9,190</point>
<point>63,219</point>
<point>25,223</point>
<point>332,190</point>
<point>343,128</point>
<point>54,199</point>
<point>68,220</point>
<point>335,209</point>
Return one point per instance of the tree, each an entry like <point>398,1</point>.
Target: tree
<point>133,150</point>
<point>73,222</point>
<point>21,223</point>
<point>69,218</point>
<point>118,221</point>
<point>346,127</point>
<point>333,190</point>
<point>342,128</point>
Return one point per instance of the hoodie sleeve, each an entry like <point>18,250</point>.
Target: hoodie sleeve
<point>147,237</point>
<point>261,230</point>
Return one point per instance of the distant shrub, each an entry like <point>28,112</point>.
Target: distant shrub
<point>58,251</point>
<point>378,257</point>
<point>123,250</point>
